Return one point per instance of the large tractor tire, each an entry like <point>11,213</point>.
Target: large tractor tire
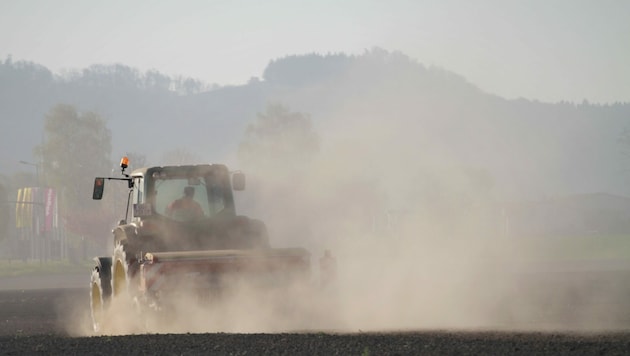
<point>100,291</point>
<point>120,272</point>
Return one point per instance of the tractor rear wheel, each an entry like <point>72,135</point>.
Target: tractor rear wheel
<point>100,294</point>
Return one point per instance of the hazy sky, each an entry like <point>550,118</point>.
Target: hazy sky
<point>549,50</point>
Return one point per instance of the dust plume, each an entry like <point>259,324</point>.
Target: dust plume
<point>411,203</point>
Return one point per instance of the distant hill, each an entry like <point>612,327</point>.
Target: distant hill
<point>395,111</point>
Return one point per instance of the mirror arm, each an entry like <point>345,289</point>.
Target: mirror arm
<point>128,179</point>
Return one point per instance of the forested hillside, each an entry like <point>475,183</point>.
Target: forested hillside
<point>399,114</point>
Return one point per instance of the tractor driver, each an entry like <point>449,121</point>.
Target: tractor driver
<point>185,208</point>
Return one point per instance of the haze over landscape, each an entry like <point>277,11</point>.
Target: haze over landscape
<point>426,134</point>
<point>565,51</point>
<point>539,89</point>
<point>539,50</point>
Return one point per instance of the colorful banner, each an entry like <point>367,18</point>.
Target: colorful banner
<point>27,211</point>
<point>50,209</point>
<point>36,212</point>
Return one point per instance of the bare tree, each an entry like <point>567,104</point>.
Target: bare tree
<point>76,147</point>
<point>279,139</point>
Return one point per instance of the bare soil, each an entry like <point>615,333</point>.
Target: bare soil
<point>34,321</point>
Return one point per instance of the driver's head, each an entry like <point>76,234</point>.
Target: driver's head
<point>189,192</point>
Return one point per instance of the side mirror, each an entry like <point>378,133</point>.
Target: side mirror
<point>99,186</point>
<point>238,181</point>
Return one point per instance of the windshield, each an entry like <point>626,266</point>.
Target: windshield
<point>184,199</point>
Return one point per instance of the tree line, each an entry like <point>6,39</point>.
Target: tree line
<point>431,111</point>
<point>77,147</point>
<point>24,73</point>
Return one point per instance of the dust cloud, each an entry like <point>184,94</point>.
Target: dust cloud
<point>416,221</point>
<point>412,213</point>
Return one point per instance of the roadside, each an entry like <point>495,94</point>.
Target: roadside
<point>45,281</point>
<point>16,275</point>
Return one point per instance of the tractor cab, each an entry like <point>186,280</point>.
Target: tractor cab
<point>180,193</point>
<point>183,193</point>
